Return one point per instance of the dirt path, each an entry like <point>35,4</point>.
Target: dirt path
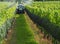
<point>21,33</point>
<point>37,33</point>
<point>10,35</point>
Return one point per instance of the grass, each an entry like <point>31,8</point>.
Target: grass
<point>23,33</point>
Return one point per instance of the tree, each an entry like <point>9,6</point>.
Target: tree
<point>1,0</point>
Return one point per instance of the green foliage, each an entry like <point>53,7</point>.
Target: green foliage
<point>6,16</point>
<point>48,10</point>
<point>49,14</point>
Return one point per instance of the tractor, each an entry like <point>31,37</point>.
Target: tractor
<point>20,9</point>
